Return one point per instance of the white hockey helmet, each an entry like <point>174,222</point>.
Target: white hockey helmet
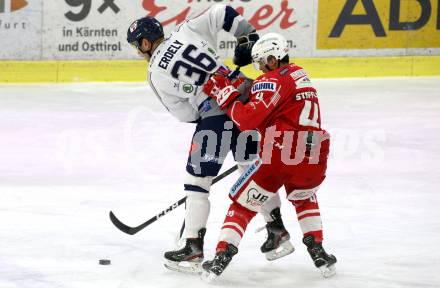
<point>271,44</point>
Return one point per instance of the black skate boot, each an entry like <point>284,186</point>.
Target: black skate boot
<point>189,258</point>
<point>323,261</point>
<point>277,244</point>
<point>214,268</point>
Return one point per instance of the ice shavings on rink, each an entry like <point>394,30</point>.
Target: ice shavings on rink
<point>70,153</point>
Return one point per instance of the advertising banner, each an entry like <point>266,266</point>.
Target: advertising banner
<point>363,24</point>
<point>85,29</point>
<point>293,19</point>
<point>96,29</point>
<point>20,29</point>
<point>89,29</point>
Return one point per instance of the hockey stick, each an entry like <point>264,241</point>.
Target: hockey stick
<point>133,230</point>
<point>234,73</point>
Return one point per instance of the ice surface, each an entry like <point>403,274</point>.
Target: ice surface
<point>70,153</point>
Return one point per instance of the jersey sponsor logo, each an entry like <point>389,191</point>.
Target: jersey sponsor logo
<point>188,88</point>
<point>303,83</point>
<point>303,194</point>
<point>264,86</point>
<point>244,177</point>
<point>298,74</point>
<point>169,54</point>
<point>255,198</point>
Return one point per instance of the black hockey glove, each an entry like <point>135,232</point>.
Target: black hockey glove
<point>243,51</point>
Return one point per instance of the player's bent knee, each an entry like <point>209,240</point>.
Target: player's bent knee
<point>252,196</point>
<point>302,194</point>
<point>198,184</point>
<point>196,196</point>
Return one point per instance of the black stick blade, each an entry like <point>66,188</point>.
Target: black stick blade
<point>133,230</point>
<point>121,226</point>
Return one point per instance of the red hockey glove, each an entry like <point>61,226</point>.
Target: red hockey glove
<point>221,89</point>
<point>228,73</point>
<point>223,71</point>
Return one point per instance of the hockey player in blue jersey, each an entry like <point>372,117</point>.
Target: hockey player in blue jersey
<point>179,66</point>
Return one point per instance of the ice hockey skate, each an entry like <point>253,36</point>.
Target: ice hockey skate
<point>278,243</point>
<point>323,261</point>
<point>214,268</point>
<point>189,258</point>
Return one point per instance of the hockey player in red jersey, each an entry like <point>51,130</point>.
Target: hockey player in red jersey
<point>284,108</point>
<point>179,65</point>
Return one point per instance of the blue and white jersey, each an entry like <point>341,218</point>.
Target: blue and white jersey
<point>186,59</point>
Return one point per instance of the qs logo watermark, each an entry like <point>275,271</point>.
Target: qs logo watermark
<point>12,5</point>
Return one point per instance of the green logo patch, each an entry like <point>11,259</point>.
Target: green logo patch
<point>188,88</point>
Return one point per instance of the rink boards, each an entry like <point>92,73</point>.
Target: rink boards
<point>136,70</point>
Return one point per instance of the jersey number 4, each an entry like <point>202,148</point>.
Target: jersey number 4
<point>310,115</point>
<point>196,67</point>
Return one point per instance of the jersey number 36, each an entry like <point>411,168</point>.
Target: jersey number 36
<point>196,67</point>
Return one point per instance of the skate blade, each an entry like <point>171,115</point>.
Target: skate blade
<point>285,249</point>
<point>185,266</point>
<point>328,271</point>
<point>208,276</point>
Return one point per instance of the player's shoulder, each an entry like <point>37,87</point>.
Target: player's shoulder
<point>296,72</point>
<point>289,71</point>
<point>278,75</point>
<point>270,80</point>
<point>291,75</point>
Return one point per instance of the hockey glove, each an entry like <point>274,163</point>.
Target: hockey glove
<point>228,73</point>
<point>243,51</point>
<point>222,90</point>
<point>224,71</point>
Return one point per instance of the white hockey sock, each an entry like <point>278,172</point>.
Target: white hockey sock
<point>196,213</point>
<point>269,205</point>
<point>309,217</point>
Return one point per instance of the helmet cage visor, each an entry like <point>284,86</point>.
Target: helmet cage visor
<point>257,62</point>
<point>136,45</point>
<point>260,58</point>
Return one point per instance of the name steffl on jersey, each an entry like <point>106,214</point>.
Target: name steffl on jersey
<point>171,51</point>
<point>306,95</point>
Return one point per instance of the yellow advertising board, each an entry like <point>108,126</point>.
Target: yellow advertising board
<point>366,24</point>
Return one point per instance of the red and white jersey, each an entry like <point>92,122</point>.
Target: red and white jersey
<point>283,97</point>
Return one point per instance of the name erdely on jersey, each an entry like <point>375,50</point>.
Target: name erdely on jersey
<point>169,54</point>
<point>186,59</point>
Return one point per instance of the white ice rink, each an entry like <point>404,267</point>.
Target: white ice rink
<point>71,153</point>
